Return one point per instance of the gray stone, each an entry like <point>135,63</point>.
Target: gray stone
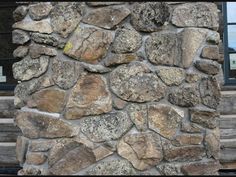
<point>20,37</point>
<point>95,4</point>
<point>88,44</point>
<point>187,139</point>
<point>21,148</point>
<point>212,143</point>
<point>170,169</point>
<point>116,59</point>
<point>126,40</point>
<point>106,127</point>
<point>36,50</point>
<point>187,95</point>
<point>20,12</point>
<point>90,96</point>
<point>106,17</point>
<point>42,26</point>
<point>149,16</point>
<point>135,82</point>
<point>65,73</point>
<point>164,119</point>
<point>65,16</point>
<point>199,14</point>
<point>52,39</point>
<point>95,68</point>
<point>40,10</point>
<point>163,48</point>
<point>205,117</point>
<point>101,152</point>
<point>118,103</point>
<point>41,145</point>
<point>143,150</point>
<point>192,77</point>
<point>210,92</point>
<point>20,52</point>
<point>207,66</point>
<point>113,167</point>
<point>171,75</point>
<point>211,52</point>
<point>35,125</point>
<point>190,127</point>
<point>29,68</point>
<point>213,37</point>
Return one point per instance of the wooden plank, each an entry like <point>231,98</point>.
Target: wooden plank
<point>228,143</point>
<point>9,127</point>
<point>228,155</point>
<point>228,165</point>
<point>9,136</point>
<point>227,133</point>
<point>8,155</point>
<point>7,108</point>
<point>228,121</point>
<point>228,102</point>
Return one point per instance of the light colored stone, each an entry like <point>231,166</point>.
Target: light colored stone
<point>170,169</point>
<point>213,37</point>
<point>106,127</point>
<point>143,150</point>
<point>20,52</point>
<point>211,52</point>
<point>20,37</point>
<point>101,152</point>
<point>118,103</point>
<point>116,59</point>
<point>212,143</point>
<point>40,10</point>
<point>207,66</point>
<point>36,50</point>
<point>190,127</point>
<point>52,39</point>
<point>88,44</point>
<point>21,148</point>
<point>95,68</point>
<point>90,96</point>
<point>95,4</point>
<point>192,77</point>
<point>187,139</point>
<point>20,12</point>
<point>35,158</point>
<point>36,26</point>
<point>41,145</point>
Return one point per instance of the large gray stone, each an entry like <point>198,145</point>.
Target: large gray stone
<point>212,143</point>
<point>208,66</point>
<point>40,10</point>
<point>149,16</point>
<point>20,12</point>
<point>106,127</point>
<point>29,68</point>
<point>20,37</point>
<point>20,52</point>
<point>135,82</point>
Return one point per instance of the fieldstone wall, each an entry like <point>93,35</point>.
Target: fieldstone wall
<point>117,88</point>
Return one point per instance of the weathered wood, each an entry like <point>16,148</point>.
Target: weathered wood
<point>9,136</point>
<point>228,165</point>
<point>228,155</point>
<point>228,143</point>
<point>9,127</point>
<point>7,108</point>
<point>228,121</point>
<point>228,133</point>
<point>8,155</point>
<point>228,102</point>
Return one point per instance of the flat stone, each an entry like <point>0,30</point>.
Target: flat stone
<point>48,100</point>
<point>42,26</point>
<point>65,16</point>
<point>101,152</point>
<point>201,168</point>
<point>149,16</point>
<point>35,158</point>
<point>143,150</point>
<point>29,68</point>
<point>118,103</point>
<point>199,14</point>
<point>205,117</point>
<point>20,37</point>
<point>190,128</point>
<point>163,48</point>
<point>20,12</point>
<point>170,169</point>
<point>210,92</point>
<point>135,82</point>
<point>211,52</point>
<point>20,52</point>
<point>106,17</point>
<point>113,167</point>
<point>36,50</point>
<point>212,142</point>
<point>95,4</point>
<point>126,40</point>
<point>35,125</point>
<point>207,66</point>
<point>40,10</point>
<point>21,148</point>
<point>171,75</point>
<point>95,68</point>
<point>41,145</point>
<point>187,139</point>
<point>138,115</point>
<point>187,95</point>
<point>88,44</point>
<point>116,59</point>
<point>110,126</point>
<point>164,119</point>
<point>65,73</point>
<point>90,96</point>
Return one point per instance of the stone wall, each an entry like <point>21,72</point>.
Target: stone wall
<point>117,88</point>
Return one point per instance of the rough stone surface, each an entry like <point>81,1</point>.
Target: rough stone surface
<point>65,16</point>
<point>118,103</point>
<point>213,38</point>
<point>106,17</point>
<point>20,12</point>
<point>192,77</point>
<point>95,68</point>
<point>113,167</point>
<point>103,3</point>
<point>20,52</point>
<point>65,73</point>
<point>143,150</point>
<point>35,158</point>
<point>88,44</point>
<point>186,95</point>
<point>171,75</point>
<point>212,142</point>
<point>36,50</point>
<point>41,145</point>
<point>40,10</point>
<point>211,52</point>
<point>101,152</point>
<point>48,100</point>
<point>35,125</point>
<point>36,26</point>
<point>190,127</point>
<point>138,115</point>
<point>207,66</point>
<point>20,37</point>
<point>197,14</point>
<point>205,117</point>
<point>126,40</point>
<point>210,92</point>
<point>135,82</point>
<point>21,148</point>
<point>106,127</point>
<point>52,40</point>
<point>170,169</point>
<point>116,59</point>
<point>188,139</point>
<point>29,68</point>
<point>164,119</point>
<point>162,48</point>
<point>149,16</point>
<point>90,96</point>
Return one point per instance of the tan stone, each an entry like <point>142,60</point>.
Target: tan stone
<point>37,50</point>
<point>119,103</point>
<point>101,152</point>
<point>116,59</point>
<point>21,148</point>
<point>212,142</point>
<point>35,158</point>
<point>90,96</point>
<point>188,139</point>
<point>41,145</point>
<point>190,128</point>
<point>211,52</point>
